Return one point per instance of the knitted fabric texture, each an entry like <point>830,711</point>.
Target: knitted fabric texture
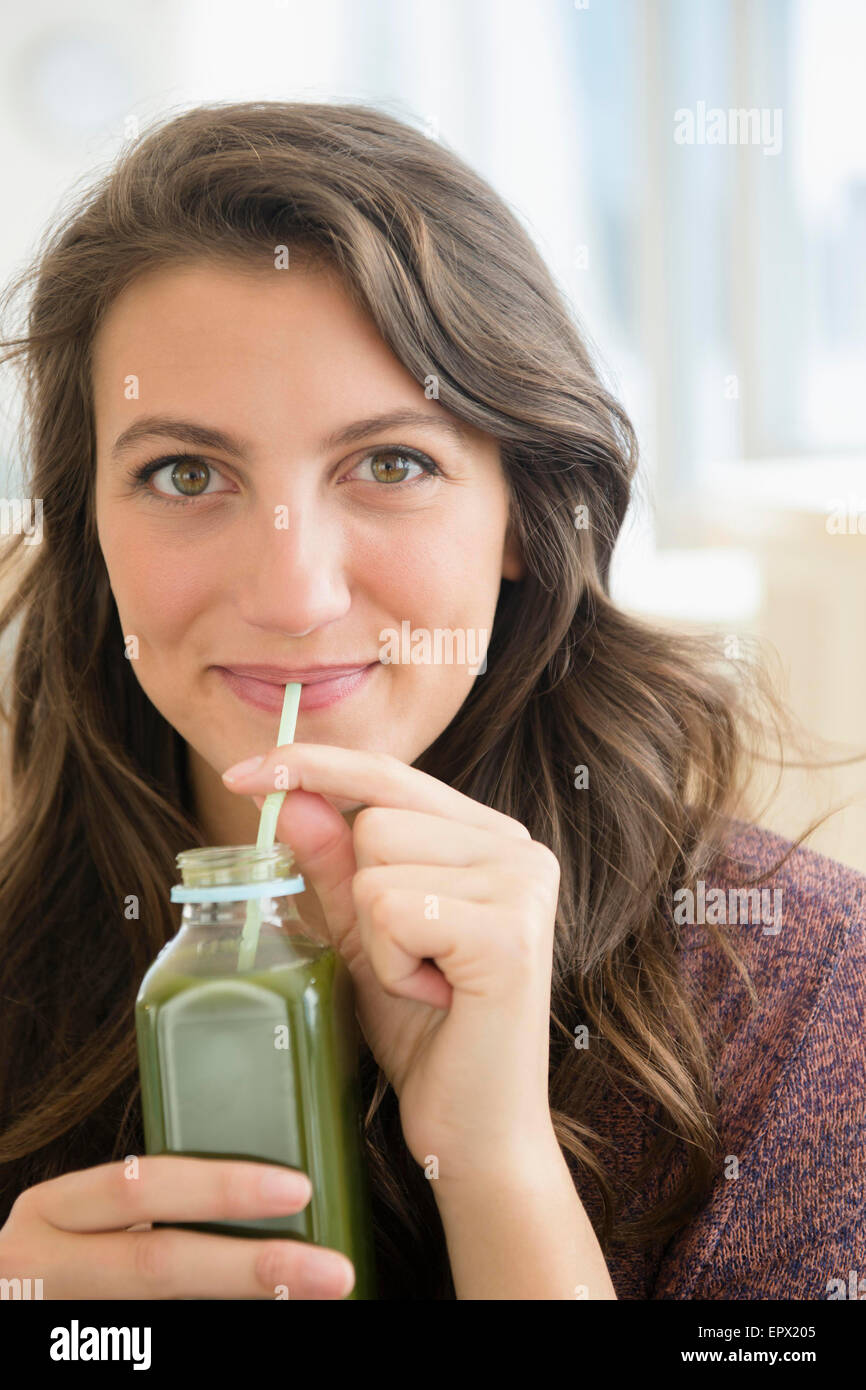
<point>786,1218</point>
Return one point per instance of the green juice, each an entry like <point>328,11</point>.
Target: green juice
<point>260,1064</point>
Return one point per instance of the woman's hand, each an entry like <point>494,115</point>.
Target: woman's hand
<point>73,1233</point>
<point>444,910</point>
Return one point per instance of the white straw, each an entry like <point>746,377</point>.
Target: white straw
<point>268,826</point>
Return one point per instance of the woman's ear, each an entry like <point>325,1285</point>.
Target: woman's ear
<point>513,563</point>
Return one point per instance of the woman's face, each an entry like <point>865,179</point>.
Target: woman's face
<point>286,550</point>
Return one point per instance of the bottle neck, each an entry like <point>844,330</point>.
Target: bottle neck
<point>236,874</point>
<point>277,909</point>
<point>212,936</point>
<point>230,890</point>
<point>265,870</point>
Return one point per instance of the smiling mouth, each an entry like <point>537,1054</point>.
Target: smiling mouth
<point>321,689</point>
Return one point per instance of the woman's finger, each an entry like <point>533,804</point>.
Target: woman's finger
<point>169,1263</point>
<point>166,1187</point>
<point>383,835</point>
<point>324,852</point>
<point>477,947</point>
<point>371,778</point>
<point>322,842</point>
<point>475,884</point>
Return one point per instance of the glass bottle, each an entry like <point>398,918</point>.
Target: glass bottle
<point>258,1063</point>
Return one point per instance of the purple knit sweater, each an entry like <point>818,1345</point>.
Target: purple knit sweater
<point>787,1217</point>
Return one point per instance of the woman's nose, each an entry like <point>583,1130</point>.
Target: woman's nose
<point>294,576</point>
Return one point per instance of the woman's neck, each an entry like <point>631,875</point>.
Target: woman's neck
<point>224,817</point>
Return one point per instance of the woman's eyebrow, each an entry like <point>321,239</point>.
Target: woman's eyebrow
<point>207,437</point>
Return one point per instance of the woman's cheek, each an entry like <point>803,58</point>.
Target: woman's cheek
<point>158,590</point>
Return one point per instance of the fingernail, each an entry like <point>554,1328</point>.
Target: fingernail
<point>243,769</point>
<point>328,1275</point>
<point>279,1186</point>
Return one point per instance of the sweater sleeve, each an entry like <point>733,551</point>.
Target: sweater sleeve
<point>792,1223</point>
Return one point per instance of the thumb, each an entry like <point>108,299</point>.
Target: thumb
<point>324,851</point>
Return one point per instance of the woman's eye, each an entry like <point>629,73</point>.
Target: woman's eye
<point>186,476</point>
<point>390,466</point>
<point>180,478</point>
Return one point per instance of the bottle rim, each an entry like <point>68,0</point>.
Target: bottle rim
<point>237,892</point>
<point>213,866</point>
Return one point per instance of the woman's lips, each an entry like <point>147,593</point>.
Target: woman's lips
<point>266,695</point>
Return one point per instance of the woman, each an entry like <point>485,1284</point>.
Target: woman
<point>340,337</point>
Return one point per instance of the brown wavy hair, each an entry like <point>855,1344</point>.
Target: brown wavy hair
<point>96,795</point>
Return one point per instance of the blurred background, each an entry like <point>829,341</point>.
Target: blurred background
<point>694,173</point>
